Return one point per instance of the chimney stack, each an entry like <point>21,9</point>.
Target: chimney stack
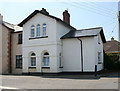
<point>112,39</point>
<point>66,17</point>
<point>44,11</point>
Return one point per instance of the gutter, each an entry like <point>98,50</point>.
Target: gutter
<point>81,54</point>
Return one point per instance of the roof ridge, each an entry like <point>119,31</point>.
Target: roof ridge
<point>92,28</point>
<point>38,11</point>
<point>113,40</point>
<point>111,47</point>
<point>8,23</point>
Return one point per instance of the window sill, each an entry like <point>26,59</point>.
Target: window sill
<point>19,43</point>
<point>38,37</point>
<point>32,67</point>
<point>61,67</point>
<point>99,62</point>
<point>45,67</point>
<point>18,67</point>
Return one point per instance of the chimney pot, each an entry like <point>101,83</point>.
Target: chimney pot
<point>112,38</point>
<point>44,11</point>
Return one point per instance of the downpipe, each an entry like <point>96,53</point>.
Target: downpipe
<point>81,54</point>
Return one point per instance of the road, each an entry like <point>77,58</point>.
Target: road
<point>39,82</point>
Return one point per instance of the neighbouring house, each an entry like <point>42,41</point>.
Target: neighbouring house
<point>112,54</point>
<point>9,48</point>
<point>112,46</point>
<point>48,44</point>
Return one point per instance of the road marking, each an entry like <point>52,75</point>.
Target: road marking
<point>3,87</point>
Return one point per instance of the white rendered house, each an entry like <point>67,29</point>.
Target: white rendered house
<point>52,45</point>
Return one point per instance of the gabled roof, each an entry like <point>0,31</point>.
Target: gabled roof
<point>37,11</point>
<point>8,25</point>
<point>85,33</point>
<point>111,46</point>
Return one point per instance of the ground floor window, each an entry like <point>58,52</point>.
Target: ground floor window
<point>18,61</point>
<point>46,60</point>
<point>33,60</point>
<point>60,60</point>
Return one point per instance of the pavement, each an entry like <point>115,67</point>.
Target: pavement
<point>18,82</point>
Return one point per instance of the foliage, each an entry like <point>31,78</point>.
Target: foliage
<point>111,61</point>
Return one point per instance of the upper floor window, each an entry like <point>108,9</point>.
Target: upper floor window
<point>19,38</point>
<point>44,29</point>
<point>32,31</point>
<point>38,30</point>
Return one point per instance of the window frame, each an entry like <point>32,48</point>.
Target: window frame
<point>38,30</point>
<point>99,58</point>
<point>19,62</point>
<point>20,38</point>
<point>44,32</point>
<point>46,60</point>
<point>32,60</point>
<point>31,31</point>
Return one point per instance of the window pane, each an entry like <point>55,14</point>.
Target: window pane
<point>46,53</point>
<point>46,61</point>
<point>44,29</point>
<point>33,61</point>
<point>19,61</point>
<point>19,38</point>
<point>38,30</point>
<point>33,54</point>
<point>32,31</point>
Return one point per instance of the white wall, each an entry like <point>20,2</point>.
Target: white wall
<point>99,48</point>
<point>70,48</point>
<point>61,30</point>
<point>89,54</point>
<point>72,54</point>
<point>37,46</point>
<point>39,19</point>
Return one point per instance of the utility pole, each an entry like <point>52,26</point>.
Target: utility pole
<point>119,20</point>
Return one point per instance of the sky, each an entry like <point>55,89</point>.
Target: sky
<point>82,14</point>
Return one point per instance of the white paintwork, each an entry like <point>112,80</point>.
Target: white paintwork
<point>52,44</point>
<point>69,48</point>
<point>72,54</point>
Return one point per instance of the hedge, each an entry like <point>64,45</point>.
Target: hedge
<point>111,61</point>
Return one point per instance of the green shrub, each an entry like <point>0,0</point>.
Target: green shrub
<point>111,61</point>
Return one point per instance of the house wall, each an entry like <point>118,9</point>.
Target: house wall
<point>72,55</point>
<point>4,50</point>
<point>16,49</point>
<point>0,49</point>
<point>99,48</point>
<point>39,46</point>
<point>61,30</point>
